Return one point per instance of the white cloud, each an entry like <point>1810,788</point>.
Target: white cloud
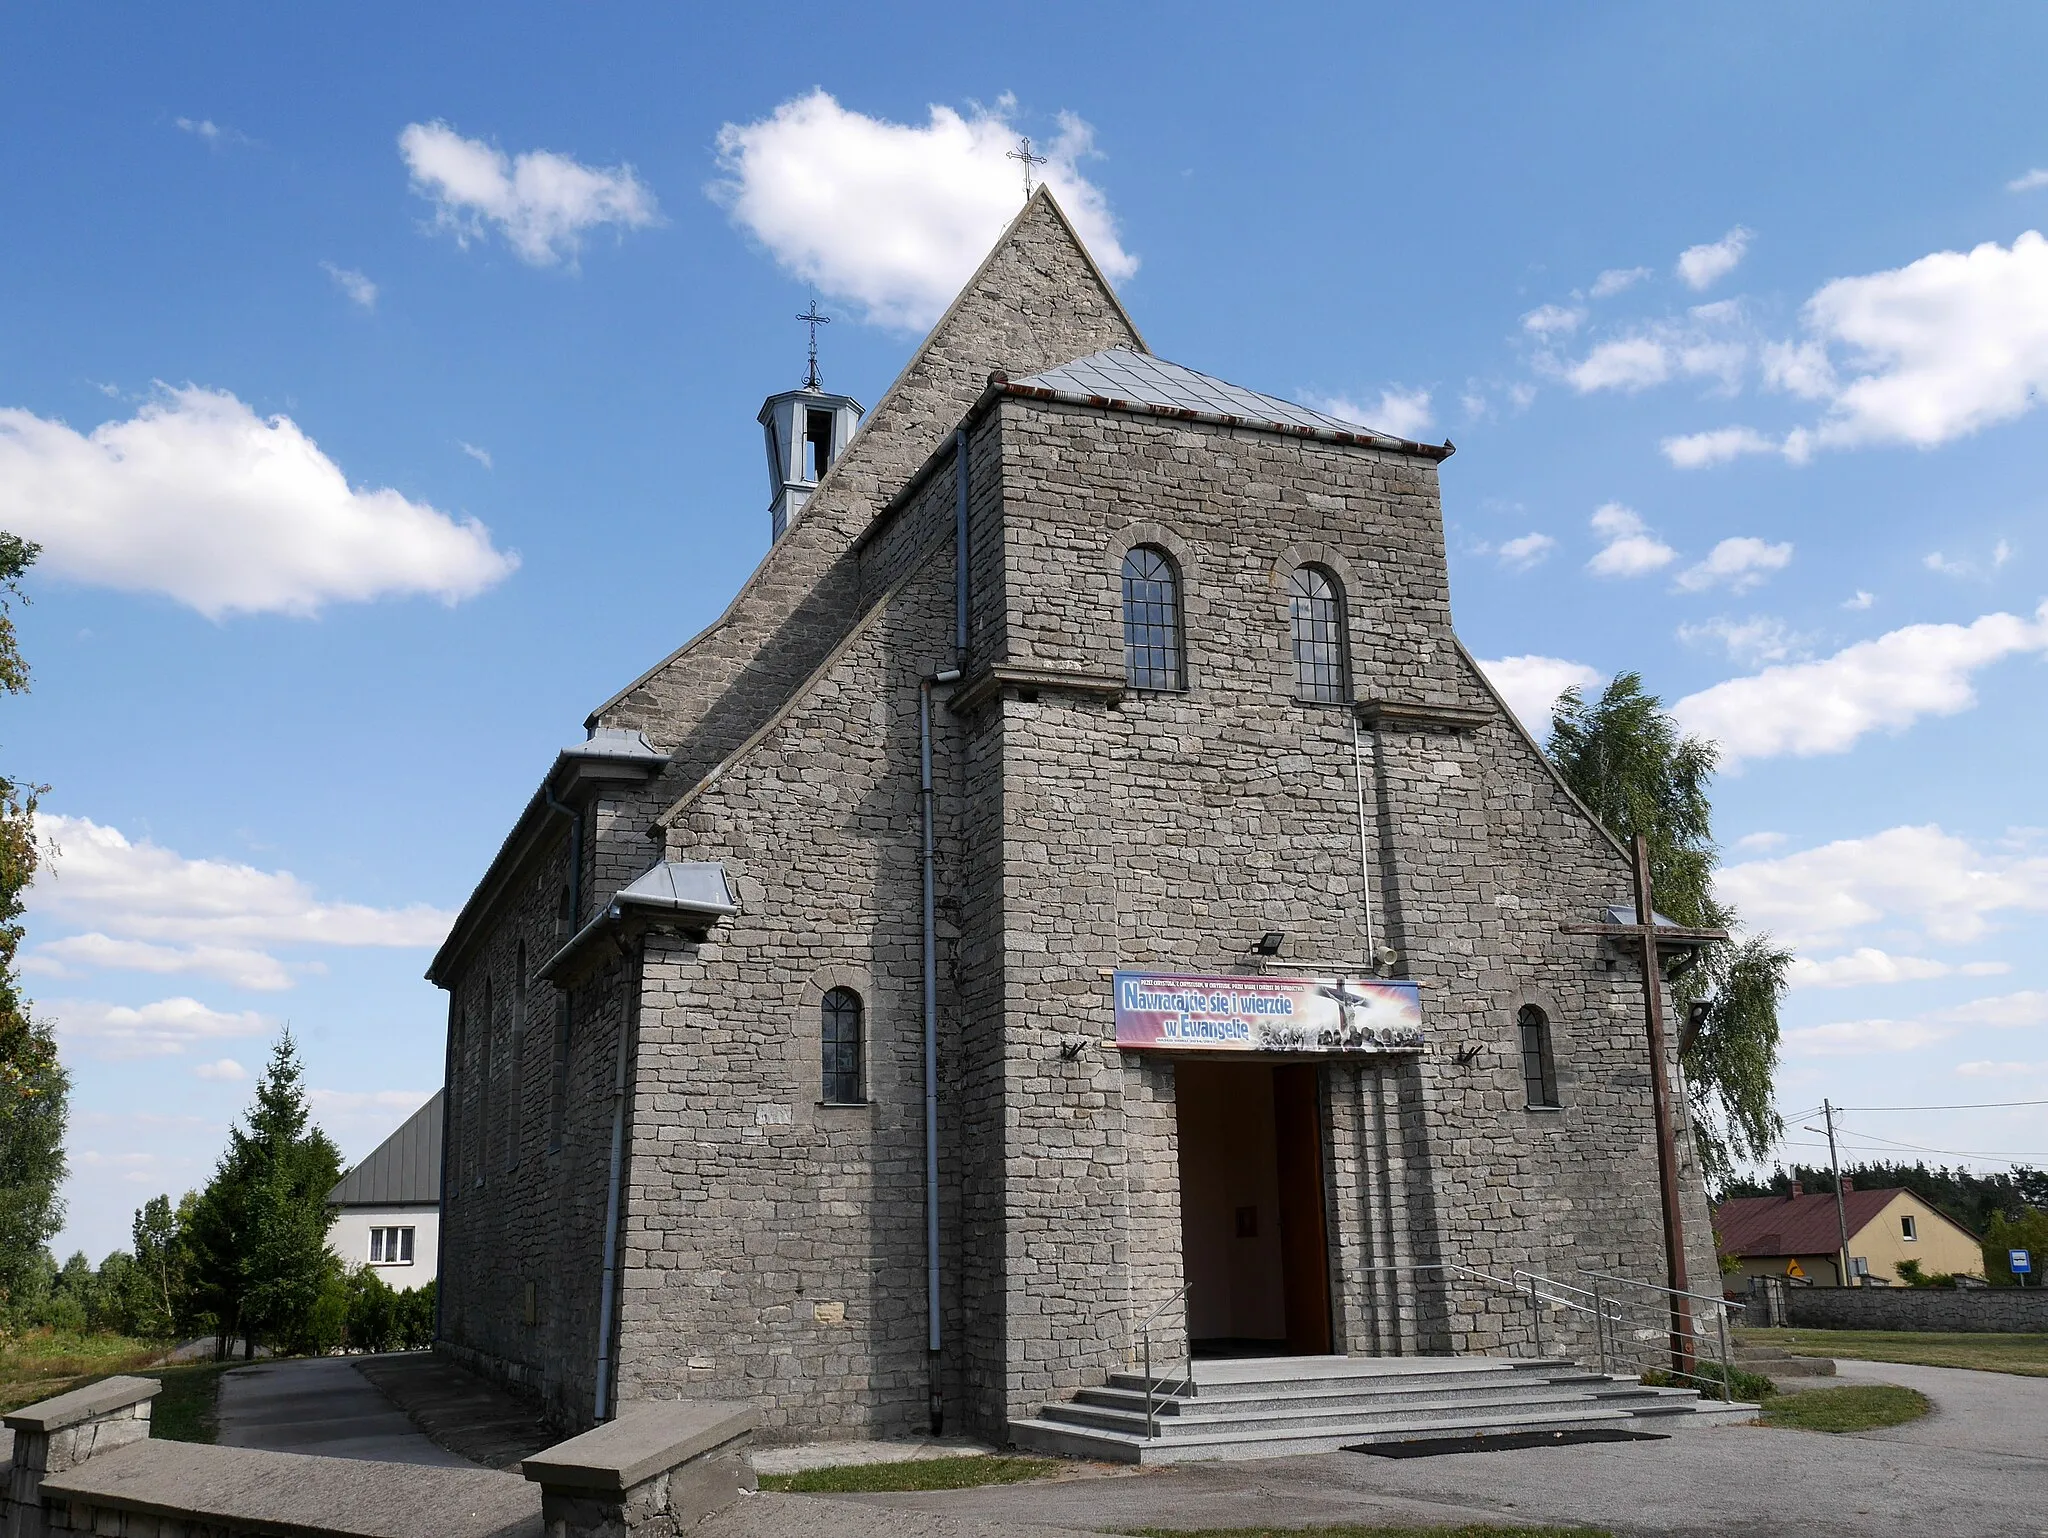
<point>1693,451</point>
<point>896,216</point>
<point>1859,600</point>
<point>359,289</point>
<point>161,1029</point>
<point>1883,684</point>
<point>1401,413</point>
<point>1984,1069</point>
<point>1940,348</point>
<point>1525,551</point>
<point>1704,266</point>
<point>226,1071</point>
<point>199,498</point>
<point>1531,686</point>
<point>1867,966</point>
<point>94,874</point>
<point>481,456</point>
<point>1627,363</point>
<point>1756,842</point>
<point>541,202</point>
<point>243,967</point>
<point>213,134</point>
<point>1551,320</point>
<point>2026,1010</point>
<point>1935,561</point>
<point>1800,368</point>
<point>2028,181</point>
<point>1918,878</point>
<point>1737,564</point>
<point>1615,279</point>
<point>1758,639</point>
<point>1631,550</point>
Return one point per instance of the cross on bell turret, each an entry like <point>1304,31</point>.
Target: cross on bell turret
<point>806,430</point>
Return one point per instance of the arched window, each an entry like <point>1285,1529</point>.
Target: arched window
<point>1152,633</point>
<point>841,1041</point>
<point>1316,605</point>
<point>1539,1071</point>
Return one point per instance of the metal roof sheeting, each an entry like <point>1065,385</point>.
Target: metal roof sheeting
<point>1120,374</point>
<point>403,1171</point>
<point>1769,1226</point>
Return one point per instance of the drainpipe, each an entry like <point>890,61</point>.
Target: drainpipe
<point>607,1288</point>
<point>931,1048</point>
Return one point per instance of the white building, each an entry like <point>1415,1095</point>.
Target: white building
<point>387,1210</point>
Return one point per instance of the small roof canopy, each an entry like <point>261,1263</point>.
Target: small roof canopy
<point>1123,375</point>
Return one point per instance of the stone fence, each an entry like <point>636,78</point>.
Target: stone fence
<point>83,1463</point>
<point>2001,1310</point>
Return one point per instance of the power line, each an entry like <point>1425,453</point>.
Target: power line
<point>1981,1105</point>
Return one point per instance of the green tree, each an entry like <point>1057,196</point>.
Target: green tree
<point>2002,1235</point>
<point>159,1286</point>
<point>1638,773</point>
<point>258,1250</point>
<point>33,1085</point>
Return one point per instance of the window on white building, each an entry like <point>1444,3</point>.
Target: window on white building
<point>391,1246</point>
<point>1908,1229</point>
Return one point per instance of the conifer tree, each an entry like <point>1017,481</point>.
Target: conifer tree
<point>1629,762</point>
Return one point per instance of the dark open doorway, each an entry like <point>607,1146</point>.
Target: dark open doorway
<point>1253,1239</point>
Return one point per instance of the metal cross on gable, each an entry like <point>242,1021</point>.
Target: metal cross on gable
<point>814,320</point>
<point>1023,153</point>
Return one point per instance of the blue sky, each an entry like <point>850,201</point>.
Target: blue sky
<point>381,384</point>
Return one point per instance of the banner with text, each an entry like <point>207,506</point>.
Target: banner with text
<point>1184,1012</point>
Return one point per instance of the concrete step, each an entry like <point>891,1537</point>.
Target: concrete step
<point>1209,1425</point>
<point>1786,1365</point>
<point>1332,1393</point>
<point>1039,1435</point>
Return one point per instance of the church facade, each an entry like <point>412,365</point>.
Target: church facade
<point>1080,878</point>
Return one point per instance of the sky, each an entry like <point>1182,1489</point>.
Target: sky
<point>380,384</point>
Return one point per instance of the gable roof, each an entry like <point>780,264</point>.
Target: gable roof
<point>1796,1225</point>
<point>1121,374</point>
<point>402,1171</point>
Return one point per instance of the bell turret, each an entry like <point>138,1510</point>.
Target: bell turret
<point>805,430</point>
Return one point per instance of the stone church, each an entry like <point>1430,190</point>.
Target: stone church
<point>1079,880</point>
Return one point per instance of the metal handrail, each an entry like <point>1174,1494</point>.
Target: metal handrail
<point>1726,1360</point>
<point>1515,1284</point>
<point>1144,1333</point>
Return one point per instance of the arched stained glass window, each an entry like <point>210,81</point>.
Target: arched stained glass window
<point>1539,1070</point>
<point>1152,627</point>
<point>1316,604</point>
<point>840,1035</point>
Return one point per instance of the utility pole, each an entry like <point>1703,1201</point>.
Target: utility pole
<point>1841,1212</point>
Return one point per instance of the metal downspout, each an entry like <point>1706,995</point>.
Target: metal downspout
<point>934,1338</point>
<point>608,1288</point>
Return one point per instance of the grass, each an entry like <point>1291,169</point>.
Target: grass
<point>1470,1530</point>
<point>186,1411</point>
<point>915,1474</point>
<point>41,1364</point>
<point>2026,1355</point>
<point>1859,1407</point>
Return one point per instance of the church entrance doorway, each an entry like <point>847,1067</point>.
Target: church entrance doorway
<point>1253,1240</point>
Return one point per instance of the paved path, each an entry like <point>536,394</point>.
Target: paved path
<point>1978,1466</point>
<point>321,1406</point>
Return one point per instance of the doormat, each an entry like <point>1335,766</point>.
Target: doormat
<point>1501,1442</point>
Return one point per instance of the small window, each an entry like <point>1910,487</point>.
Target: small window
<point>1316,608</point>
<point>841,1038</point>
<point>1152,627</point>
<point>1909,1230</point>
<point>817,444</point>
<point>1539,1071</point>
<point>391,1246</point>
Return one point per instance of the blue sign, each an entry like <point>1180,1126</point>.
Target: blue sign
<point>2021,1261</point>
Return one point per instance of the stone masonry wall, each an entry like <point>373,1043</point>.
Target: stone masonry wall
<point>1170,830</point>
<point>1998,1310</point>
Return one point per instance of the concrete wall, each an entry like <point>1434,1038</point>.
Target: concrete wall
<point>1997,1310</point>
<point>348,1237</point>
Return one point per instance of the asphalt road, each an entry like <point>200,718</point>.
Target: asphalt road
<point>322,1406</point>
<point>1977,1466</point>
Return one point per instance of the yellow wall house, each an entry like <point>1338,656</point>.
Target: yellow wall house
<point>1797,1237</point>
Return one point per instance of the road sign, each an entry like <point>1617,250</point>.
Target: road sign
<point>2020,1261</point>
<point>1795,1270</point>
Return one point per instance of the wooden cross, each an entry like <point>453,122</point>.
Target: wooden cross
<point>1646,932</point>
<point>1024,154</point>
<point>814,320</point>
